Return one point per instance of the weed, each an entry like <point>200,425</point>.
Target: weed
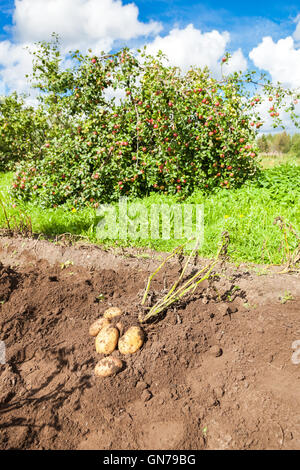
<point>291,256</point>
<point>286,297</point>
<point>66,264</point>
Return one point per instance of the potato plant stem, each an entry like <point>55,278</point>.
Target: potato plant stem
<point>157,270</point>
<point>175,295</point>
<point>183,271</point>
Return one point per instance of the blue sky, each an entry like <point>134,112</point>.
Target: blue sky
<point>247,21</point>
<point>220,14</point>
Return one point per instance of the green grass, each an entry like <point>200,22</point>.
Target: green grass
<point>271,160</point>
<point>46,221</point>
<point>246,213</point>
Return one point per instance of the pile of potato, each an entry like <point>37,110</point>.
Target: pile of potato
<point>110,337</point>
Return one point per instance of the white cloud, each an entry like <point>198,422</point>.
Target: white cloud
<point>236,63</point>
<point>263,108</point>
<point>80,23</point>
<point>281,59</point>
<point>190,47</point>
<point>15,62</point>
<point>296,34</point>
<point>118,94</point>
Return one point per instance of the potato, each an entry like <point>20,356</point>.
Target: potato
<point>108,366</point>
<point>107,340</point>
<point>98,325</point>
<point>112,312</point>
<point>131,341</point>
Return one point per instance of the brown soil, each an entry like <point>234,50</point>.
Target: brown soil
<point>214,373</point>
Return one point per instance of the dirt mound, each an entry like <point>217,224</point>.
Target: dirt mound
<point>214,373</point>
<point>8,282</point>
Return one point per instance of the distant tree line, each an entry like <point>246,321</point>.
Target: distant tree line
<point>279,143</point>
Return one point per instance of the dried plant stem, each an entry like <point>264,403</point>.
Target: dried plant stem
<point>22,224</point>
<point>293,259</point>
<point>175,293</point>
<point>176,250</point>
<point>192,254</point>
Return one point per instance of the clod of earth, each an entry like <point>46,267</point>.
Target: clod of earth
<point>216,351</point>
<point>131,341</point>
<point>107,340</point>
<point>108,366</point>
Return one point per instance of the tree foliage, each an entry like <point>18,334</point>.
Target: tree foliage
<point>129,124</point>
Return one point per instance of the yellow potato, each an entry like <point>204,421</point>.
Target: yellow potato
<point>112,312</point>
<point>108,366</point>
<point>107,340</point>
<point>98,325</point>
<point>131,341</point>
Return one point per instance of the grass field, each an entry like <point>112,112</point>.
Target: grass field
<point>271,160</point>
<point>246,213</point>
